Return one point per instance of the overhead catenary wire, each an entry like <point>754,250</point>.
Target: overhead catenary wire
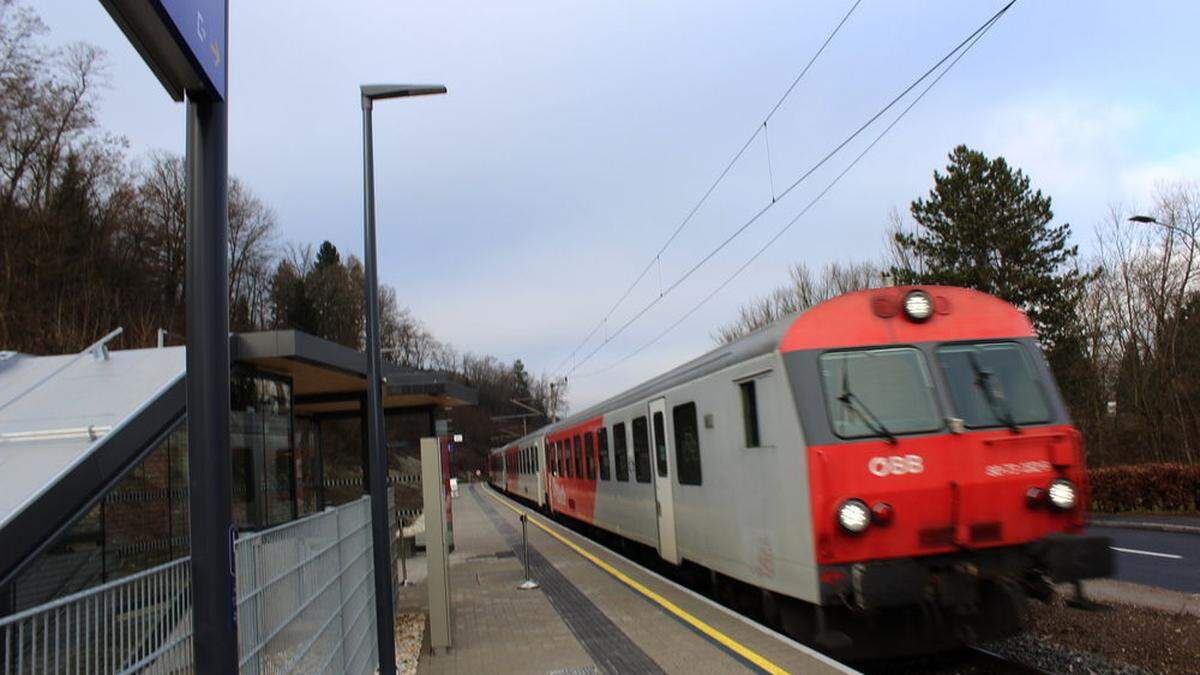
<point>754,218</point>
<point>708,193</point>
<point>783,230</point>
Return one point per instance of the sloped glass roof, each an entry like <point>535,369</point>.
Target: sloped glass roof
<point>56,410</point>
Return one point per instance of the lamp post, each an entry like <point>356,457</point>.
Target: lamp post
<point>1151,220</point>
<point>377,471</point>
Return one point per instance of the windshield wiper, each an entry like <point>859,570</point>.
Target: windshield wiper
<point>995,399</point>
<point>855,404</point>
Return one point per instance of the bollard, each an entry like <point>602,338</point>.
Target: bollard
<point>528,583</point>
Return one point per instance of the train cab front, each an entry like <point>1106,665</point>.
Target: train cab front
<point>946,481</point>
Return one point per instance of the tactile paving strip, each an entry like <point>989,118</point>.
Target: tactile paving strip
<point>608,645</point>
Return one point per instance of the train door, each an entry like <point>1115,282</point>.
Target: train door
<point>664,501</point>
<point>539,463</point>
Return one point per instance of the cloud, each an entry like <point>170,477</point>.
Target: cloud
<point>1089,154</point>
<point>1070,142</point>
<point>1146,180</point>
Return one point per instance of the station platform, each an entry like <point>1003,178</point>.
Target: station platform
<point>595,611</point>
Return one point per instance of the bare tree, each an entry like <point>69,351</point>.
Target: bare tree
<point>252,228</point>
<point>803,290</point>
<point>1138,314</point>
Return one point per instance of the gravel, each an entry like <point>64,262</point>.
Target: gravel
<point>1036,651</point>
<point>1112,639</point>
<point>410,634</point>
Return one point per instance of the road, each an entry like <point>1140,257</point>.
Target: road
<point>1164,559</point>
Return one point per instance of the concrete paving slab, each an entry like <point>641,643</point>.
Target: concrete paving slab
<point>596,612</point>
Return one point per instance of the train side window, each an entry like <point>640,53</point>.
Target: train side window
<point>660,444</point>
<point>687,444</point>
<point>570,458</point>
<point>602,446</point>
<point>564,458</point>
<point>579,468</point>
<point>621,452</point>
<point>536,462</point>
<point>749,391</point>
<point>641,450</point>
<point>589,453</point>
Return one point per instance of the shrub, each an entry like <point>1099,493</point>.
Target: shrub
<point>1145,487</point>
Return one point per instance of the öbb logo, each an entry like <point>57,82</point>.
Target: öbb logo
<point>896,465</point>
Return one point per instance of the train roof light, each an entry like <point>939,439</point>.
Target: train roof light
<point>854,516</point>
<point>918,306</point>
<point>1062,494</point>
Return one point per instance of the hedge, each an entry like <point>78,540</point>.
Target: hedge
<point>1145,487</point>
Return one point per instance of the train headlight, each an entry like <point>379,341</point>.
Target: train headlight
<point>918,306</point>
<point>854,516</point>
<point>1062,494</point>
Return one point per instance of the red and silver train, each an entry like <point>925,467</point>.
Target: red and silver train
<point>893,469</point>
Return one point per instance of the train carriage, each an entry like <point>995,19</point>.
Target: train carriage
<point>883,465</point>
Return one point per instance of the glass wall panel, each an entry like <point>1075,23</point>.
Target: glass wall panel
<point>74,563</point>
<point>307,447</point>
<point>246,444</point>
<point>341,459</point>
<point>275,400</point>
<point>404,431</point>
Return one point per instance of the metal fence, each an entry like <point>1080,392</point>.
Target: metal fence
<point>305,599</point>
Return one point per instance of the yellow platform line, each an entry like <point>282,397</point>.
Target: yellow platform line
<point>716,635</point>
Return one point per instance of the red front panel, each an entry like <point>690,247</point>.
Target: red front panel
<point>948,492</point>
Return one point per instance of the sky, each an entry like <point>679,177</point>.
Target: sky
<point>576,137</point>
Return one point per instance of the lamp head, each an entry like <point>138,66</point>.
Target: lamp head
<point>370,92</point>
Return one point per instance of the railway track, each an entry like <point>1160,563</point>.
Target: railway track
<point>966,661</point>
<point>1000,664</point>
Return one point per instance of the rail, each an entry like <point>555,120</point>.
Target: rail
<point>304,596</point>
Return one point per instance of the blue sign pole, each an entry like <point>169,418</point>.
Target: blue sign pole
<point>210,463</point>
<point>200,25</point>
<point>185,43</point>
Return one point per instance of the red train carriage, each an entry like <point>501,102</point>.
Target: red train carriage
<point>892,468</point>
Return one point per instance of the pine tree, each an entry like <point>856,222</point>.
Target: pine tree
<point>328,256</point>
<point>982,226</point>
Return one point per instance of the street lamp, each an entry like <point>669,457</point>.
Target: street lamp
<point>1155,221</point>
<point>377,471</point>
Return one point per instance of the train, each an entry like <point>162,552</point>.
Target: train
<point>892,471</point>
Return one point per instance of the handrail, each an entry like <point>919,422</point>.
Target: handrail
<point>144,620</point>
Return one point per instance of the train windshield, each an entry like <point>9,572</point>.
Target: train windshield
<point>879,392</point>
<point>993,384</point>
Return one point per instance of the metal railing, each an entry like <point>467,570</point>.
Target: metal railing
<point>305,595</point>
